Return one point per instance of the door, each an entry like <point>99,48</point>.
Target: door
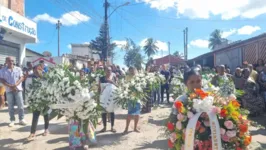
<point>6,50</point>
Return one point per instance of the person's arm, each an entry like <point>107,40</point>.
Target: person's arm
<point>21,79</point>
<point>5,83</point>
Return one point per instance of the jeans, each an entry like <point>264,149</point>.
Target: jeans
<point>104,118</point>
<point>165,87</point>
<point>156,95</point>
<point>12,99</point>
<point>35,119</point>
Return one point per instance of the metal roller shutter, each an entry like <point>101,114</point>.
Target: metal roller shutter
<point>7,49</point>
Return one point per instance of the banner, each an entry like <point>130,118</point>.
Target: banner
<point>215,131</point>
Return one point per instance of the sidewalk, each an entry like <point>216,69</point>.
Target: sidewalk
<point>150,138</point>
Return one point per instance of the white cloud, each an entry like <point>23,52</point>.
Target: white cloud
<point>67,19</point>
<point>229,33</point>
<point>200,43</point>
<point>203,9</point>
<point>163,46</point>
<point>69,46</point>
<point>248,30</point>
<point>159,4</point>
<point>120,44</point>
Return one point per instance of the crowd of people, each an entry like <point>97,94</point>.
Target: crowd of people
<point>13,82</point>
<point>251,80</point>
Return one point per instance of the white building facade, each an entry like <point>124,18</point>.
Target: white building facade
<point>15,32</point>
<point>85,51</point>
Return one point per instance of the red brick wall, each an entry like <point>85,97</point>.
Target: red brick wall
<point>15,5</point>
<point>18,6</point>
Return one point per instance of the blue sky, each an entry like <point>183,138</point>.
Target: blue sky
<point>163,20</point>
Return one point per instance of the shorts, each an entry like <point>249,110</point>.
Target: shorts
<point>2,90</point>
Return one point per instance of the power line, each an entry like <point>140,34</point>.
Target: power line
<point>78,6</point>
<point>129,22</point>
<point>67,11</point>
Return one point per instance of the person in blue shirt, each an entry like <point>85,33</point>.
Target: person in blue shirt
<point>43,66</point>
<point>165,86</point>
<point>85,69</point>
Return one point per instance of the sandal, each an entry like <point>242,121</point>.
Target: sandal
<point>45,133</point>
<point>113,130</point>
<point>31,138</point>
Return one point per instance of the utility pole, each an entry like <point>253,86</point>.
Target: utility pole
<point>58,25</point>
<point>106,33</point>
<point>186,43</point>
<point>169,49</point>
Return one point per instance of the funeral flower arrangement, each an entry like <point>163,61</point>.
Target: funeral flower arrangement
<point>226,86</point>
<point>177,86</point>
<point>201,123</point>
<point>64,92</point>
<point>136,89</point>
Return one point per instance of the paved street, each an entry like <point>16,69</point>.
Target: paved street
<point>150,138</point>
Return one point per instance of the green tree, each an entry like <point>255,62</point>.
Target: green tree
<point>178,54</point>
<point>150,47</point>
<point>133,56</point>
<point>98,44</point>
<point>215,39</point>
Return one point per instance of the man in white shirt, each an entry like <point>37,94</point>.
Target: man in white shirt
<point>12,77</point>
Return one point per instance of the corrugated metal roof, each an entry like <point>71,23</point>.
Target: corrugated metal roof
<point>237,43</point>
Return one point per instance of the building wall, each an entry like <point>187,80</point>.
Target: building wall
<point>232,58</point>
<point>15,5</point>
<point>31,54</point>
<point>254,51</point>
<point>84,51</point>
<point>81,51</point>
<point>5,3</point>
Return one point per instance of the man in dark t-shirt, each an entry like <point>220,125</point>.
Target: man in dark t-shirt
<point>165,86</point>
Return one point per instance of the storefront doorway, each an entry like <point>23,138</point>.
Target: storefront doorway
<point>8,49</point>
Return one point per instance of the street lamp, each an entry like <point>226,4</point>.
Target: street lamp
<point>106,17</point>
<point>125,4</point>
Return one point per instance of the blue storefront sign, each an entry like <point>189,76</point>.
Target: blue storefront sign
<point>20,25</point>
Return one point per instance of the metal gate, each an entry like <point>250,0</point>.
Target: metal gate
<point>8,49</point>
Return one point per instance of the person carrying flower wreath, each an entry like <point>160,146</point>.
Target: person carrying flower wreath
<point>37,113</point>
<point>133,108</point>
<point>106,98</point>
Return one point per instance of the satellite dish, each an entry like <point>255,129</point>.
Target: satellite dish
<point>47,54</point>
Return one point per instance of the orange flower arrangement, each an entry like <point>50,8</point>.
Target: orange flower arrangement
<point>192,96</point>
<point>247,140</point>
<point>201,93</point>
<point>223,112</point>
<point>243,128</point>
<point>178,104</point>
<point>235,104</point>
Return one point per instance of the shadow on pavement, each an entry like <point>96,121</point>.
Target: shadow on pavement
<point>161,122</point>
<point>102,140</point>
<point>4,124</point>
<point>159,144</point>
<point>109,139</point>
<point>54,128</point>
<point>58,140</point>
<point>6,144</point>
